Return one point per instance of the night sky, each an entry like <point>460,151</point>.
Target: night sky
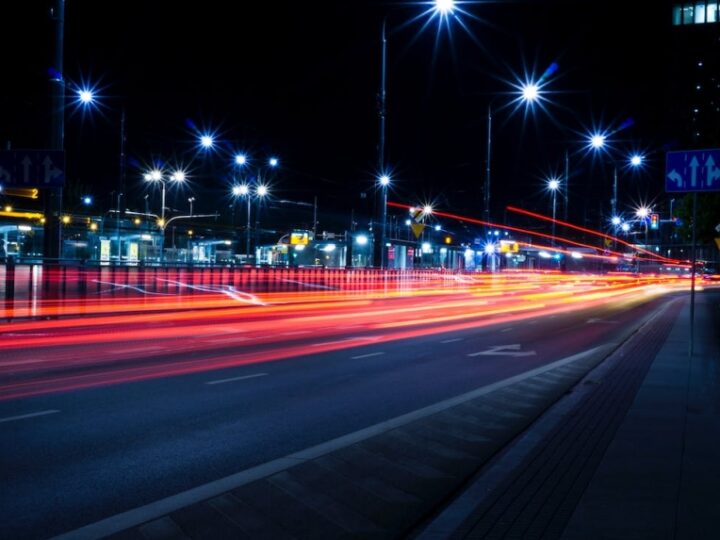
<point>300,81</point>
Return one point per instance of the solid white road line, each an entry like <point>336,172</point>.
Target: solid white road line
<point>452,340</point>
<point>233,379</point>
<point>506,330</point>
<point>29,415</point>
<point>366,355</point>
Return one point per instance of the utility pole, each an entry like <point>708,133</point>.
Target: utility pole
<point>53,196</point>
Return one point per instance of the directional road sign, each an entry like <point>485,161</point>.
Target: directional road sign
<point>32,168</point>
<point>693,170</point>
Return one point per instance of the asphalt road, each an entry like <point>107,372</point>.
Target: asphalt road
<point>74,457</point>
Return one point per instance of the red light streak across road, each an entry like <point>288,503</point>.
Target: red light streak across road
<point>136,338</point>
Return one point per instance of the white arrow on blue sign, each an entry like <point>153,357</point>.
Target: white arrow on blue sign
<point>693,170</point>
<point>32,168</point>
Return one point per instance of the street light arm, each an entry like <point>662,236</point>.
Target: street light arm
<point>188,217</point>
<point>298,203</point>
<point>131,213</point>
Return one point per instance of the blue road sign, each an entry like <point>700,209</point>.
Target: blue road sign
<point>32,168</point>
<point>693,170</point>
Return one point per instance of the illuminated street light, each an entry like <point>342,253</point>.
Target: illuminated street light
<point>240,159</point>
<point>530,92</point>
<point>625,227</point>
<point>178,176</point>
<point>85,96</point>
<point>553,185</point>
<point>87,200</point>
<point>643,212</point>
<point>207,141</point>
<point>597,141</point>
<point>261,190</point>
<point>616,220</point>
<point>444,7</point>
<point>636,160</point>
<point>427,210</point>
<point>273,162</point>
<point>384,182</point>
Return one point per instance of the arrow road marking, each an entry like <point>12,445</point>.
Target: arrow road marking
<point>504,350</point>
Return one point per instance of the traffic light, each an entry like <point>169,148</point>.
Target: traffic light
<point>654,221</point>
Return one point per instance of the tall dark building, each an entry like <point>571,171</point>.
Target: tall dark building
<point>694,113</point>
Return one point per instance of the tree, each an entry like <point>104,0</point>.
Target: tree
<point>708,216</point>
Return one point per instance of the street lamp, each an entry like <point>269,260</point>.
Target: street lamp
<point>529,94</point>
<point>643,213</point>
<point>597,142</point>
<point>156,176</point>
<point>259,190</point>
<point>191,200</point>
<point>553,185</point>
<point>384,182</point>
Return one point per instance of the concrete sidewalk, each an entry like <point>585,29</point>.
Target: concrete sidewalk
<point>595,467</point>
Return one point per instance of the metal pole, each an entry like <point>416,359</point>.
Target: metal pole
<point>162,226</point>
<point>567,185</point>
<point>554,200</point>
<point>382,111</point>
<point>247,230</point>
<point>117,227</point>
<point>123,161</point>
<point>486,195</point>
<point>692,279</point>
<point>614,199</point>
<point>53,196</point>
<point>315,217</point>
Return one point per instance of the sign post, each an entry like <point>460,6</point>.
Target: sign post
<point>692,171</point>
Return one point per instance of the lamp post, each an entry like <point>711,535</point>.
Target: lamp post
<point>384,181</point>
<point>191,200</point>
<point>553,185</point>
<point>156,176</point>
<point>442,9</point>
<point>529,94</point>
<point>598,141</point>
<point>247,190</point>
<point>643,213</point>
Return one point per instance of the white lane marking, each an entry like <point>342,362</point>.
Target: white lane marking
<point>345,341</point>
<point>154,510</point>
<point>29,415</point>
<point>452,340</point>
<point>506,330</point>
<point>600,321</point>
<point>297,333</point>
<point>366,355</point>
<point>233,379</point>
<point>504,350</point>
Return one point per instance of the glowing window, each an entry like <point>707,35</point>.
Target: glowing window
<point>688,12</point>
<point>699,12</point>
<point>677,15</point>
<point>711,14</point>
